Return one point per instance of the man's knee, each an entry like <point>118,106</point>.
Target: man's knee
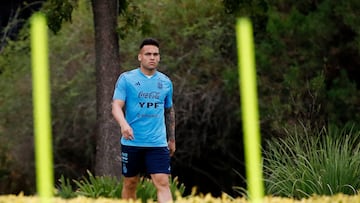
<point>130,183</point>
<point>160,180</point>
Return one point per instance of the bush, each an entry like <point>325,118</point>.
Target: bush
<point>305,163</point>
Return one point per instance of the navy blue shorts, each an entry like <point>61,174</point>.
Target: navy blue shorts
<point>148,160</point>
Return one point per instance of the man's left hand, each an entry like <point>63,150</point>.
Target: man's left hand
<point>172,147</point>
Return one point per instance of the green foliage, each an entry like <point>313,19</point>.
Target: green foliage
<point>15,115</point>
<point>73,96</point>
<point>305,163</point>
<point>145,190</point>
<point>304,65</point>
<point>58,11</point>
<point>65,189</point>
<point>95,187</point>
<point>72,102</point>
<point>131,17</point>
<point>342,100</point>
<point>177,189</point>
<point>110,187</point>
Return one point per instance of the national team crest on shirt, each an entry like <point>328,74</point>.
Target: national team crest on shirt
<point>160,85</point>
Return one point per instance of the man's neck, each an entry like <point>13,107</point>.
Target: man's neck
<point>147,72</point>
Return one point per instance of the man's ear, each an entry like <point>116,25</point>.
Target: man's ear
<point>139,57</point>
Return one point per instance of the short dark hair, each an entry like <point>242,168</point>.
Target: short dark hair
<point>149,41</point>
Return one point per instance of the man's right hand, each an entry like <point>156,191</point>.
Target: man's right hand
<point>117,111</point>
<point>127,132</point>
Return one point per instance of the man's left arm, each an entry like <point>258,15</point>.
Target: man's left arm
<point>170,128</point>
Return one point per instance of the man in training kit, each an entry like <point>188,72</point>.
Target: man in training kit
<point>143,107</point>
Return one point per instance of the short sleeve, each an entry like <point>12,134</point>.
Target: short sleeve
<point>120,88</point>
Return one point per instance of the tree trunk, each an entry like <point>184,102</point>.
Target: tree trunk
<point>107,64</point>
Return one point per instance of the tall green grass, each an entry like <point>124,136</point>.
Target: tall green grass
<point>324,163</point>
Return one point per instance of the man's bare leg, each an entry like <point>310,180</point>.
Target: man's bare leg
<point>129,187</point>
<point>161,182</point>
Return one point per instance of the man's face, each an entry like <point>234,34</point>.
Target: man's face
<point>149,57</point>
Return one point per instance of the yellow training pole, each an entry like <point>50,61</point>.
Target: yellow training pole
<point>41,105</point>
<point>250,114</point>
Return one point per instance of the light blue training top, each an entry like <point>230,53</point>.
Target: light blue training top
<point>145,101</point>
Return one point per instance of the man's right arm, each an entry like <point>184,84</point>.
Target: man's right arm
<point>118,113</point>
